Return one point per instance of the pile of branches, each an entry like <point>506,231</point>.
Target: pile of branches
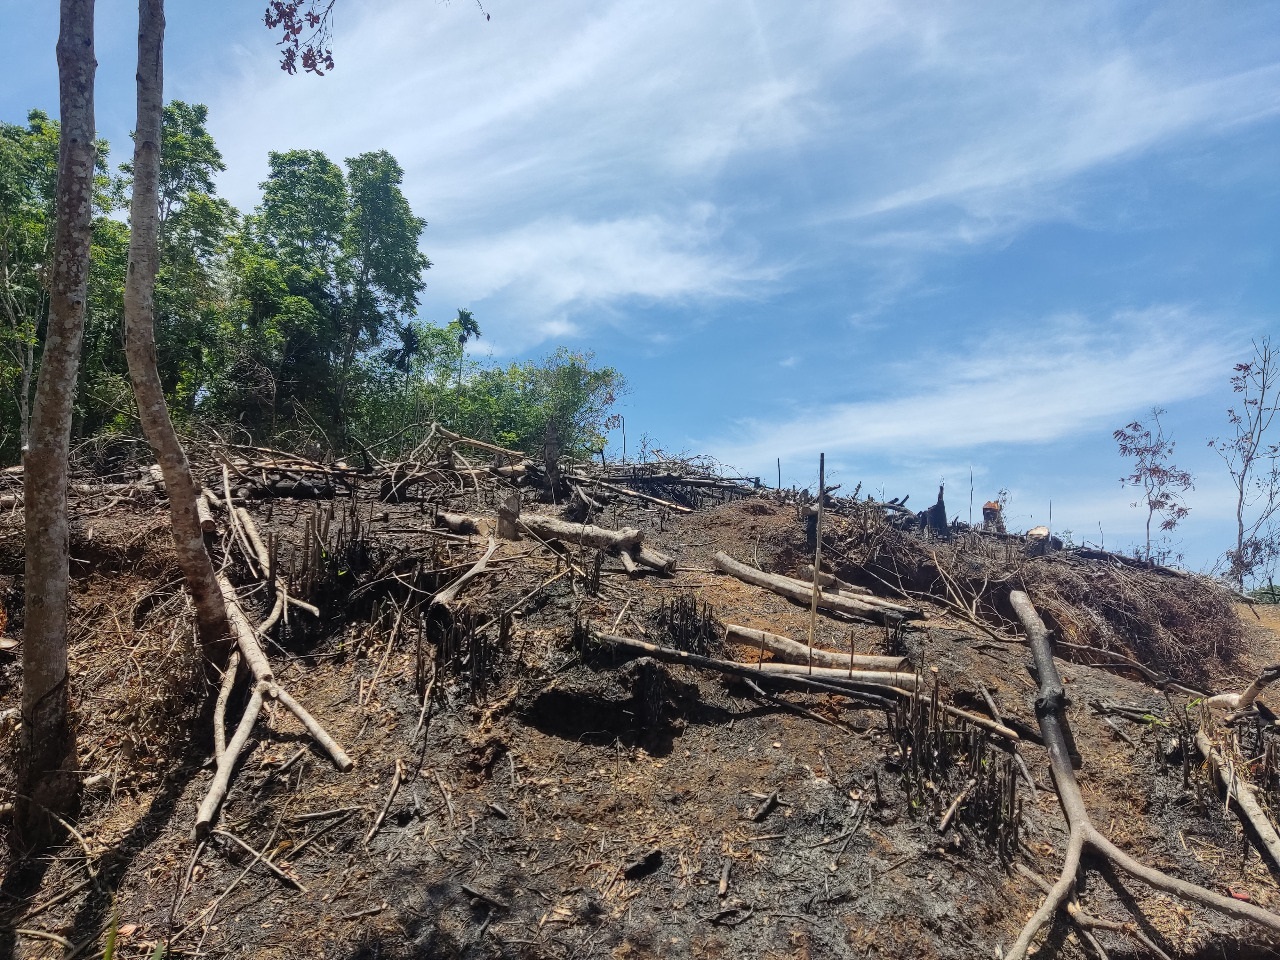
<point>446,463</point>
<point>689,482</point>
<point>1103,606</point>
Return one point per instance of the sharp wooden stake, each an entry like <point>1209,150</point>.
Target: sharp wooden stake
<point>724,879</point>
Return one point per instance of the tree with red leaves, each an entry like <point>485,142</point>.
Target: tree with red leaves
<point>1161,482</point>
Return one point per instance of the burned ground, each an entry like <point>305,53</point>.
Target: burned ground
<point>561,798</point>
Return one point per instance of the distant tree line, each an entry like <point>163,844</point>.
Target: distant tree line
<point>299,318</point>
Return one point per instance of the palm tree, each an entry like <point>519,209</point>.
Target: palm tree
<point>467,330</point>
<point>410,348</point>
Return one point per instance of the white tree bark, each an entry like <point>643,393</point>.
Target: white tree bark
<point>140,342</point>
<point>48,746</point>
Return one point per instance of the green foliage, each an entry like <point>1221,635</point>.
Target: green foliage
<point>300,314</point>
<point>1268,594</point>
<point>510,405</point>
<point>28,176</point>
<point>27,156</point>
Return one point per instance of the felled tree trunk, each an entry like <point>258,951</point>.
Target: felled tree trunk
<point>140,344</point>
<point>786,650</point>
<point>879,610</point>
<point>627,541</point>
<point>47,749</point>
<point>1051,702</point>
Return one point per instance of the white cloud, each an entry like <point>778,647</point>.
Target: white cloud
<point>1079,121</point>
<point>562,153</point>
<point>556,270</point>
<point>1003,390</point>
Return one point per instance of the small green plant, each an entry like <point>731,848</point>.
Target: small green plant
<point>113,930</point>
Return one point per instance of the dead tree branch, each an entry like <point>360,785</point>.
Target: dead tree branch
<point>1051,703</point>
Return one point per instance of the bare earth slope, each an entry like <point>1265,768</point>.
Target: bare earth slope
<point>557,798</point>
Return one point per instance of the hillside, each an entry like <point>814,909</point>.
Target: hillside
<point>525,787</point>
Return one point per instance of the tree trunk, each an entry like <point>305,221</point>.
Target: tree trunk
<point>48,745</point>
<point>140,343</point>
<point>872,608</point>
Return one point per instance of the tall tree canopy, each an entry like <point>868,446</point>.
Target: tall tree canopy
<point>301,315</point>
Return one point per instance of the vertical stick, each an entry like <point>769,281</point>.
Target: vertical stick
<point>817,553</point>
<point>779,473</point>
<point>971,497</point>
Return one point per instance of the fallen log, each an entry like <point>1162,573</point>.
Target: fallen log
<point>676,480</point>
<point>457,522</point>
<point>834,584</point>
<point>787,650</point>
<point>1051,703</point>
<point>657,561</point>
<point>599,538</point>
<point>880,678</point>
<point>265,686</point>
<point>627,540</point>
<point>1238,702</point>
<point>749,672</point>
<point>884,611</point>
<point>1242,793</point>
<point>863,686</point>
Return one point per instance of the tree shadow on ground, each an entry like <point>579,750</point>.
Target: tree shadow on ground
<point>23,878</point>
<point>92,915</point>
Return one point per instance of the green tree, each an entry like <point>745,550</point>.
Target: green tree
<point>381,267</point>
<point>467,329</point>
<point>28,180</point>
<point>347,245</point>
<point>28,171</point>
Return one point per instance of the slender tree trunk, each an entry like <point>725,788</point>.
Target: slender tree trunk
<point>48,744</point>
<point>140,343</point>
<point>24,399</point>
<point>1238,571</point>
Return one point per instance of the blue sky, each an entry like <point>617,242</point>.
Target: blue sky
<point>923,238</point>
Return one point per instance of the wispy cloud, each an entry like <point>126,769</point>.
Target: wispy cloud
<point>549,146</point>
<point>1073,375</point>
<point>1096,116</point>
